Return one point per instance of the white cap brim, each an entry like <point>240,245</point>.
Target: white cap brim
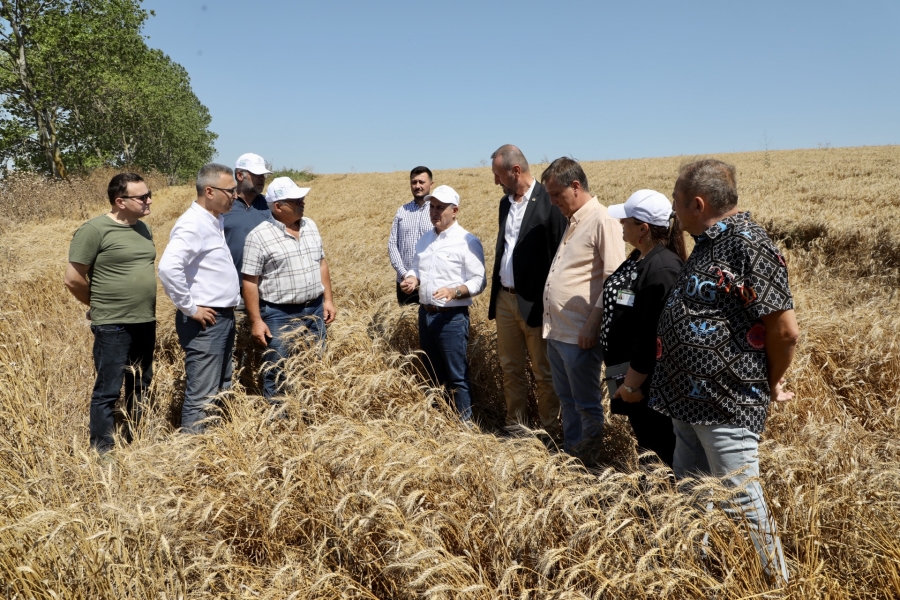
<point>617,211</point>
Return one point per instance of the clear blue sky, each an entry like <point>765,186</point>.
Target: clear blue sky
<point>381,86</point>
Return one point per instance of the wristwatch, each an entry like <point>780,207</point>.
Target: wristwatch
<point>458,293</point>
<point>630,389</point>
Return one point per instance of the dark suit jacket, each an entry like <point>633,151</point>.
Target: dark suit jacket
<point>542,230</point>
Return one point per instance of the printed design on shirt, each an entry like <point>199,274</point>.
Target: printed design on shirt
<point>622,279</point>
<point>711,361</point>
<point>756,337</point>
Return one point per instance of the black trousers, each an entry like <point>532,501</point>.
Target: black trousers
<point>403,298</point>
<point>653,431</point>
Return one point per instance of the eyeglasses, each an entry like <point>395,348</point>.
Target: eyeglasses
<point>142,198</point>
<point>230,191</point>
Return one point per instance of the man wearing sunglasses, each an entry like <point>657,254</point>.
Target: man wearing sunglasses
<point>111,270</point>
<point>198,274</point>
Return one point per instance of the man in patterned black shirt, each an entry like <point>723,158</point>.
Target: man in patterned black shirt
<point>726,337</point>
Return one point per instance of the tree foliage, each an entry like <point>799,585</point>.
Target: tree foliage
<point>79,88</point>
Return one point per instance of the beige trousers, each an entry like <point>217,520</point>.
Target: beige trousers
<point>514,337</point>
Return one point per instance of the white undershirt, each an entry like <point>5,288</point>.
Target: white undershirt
<point>511,235</point>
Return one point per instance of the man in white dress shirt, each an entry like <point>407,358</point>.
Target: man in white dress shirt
<point>448,271</point>
<point>198,274</point>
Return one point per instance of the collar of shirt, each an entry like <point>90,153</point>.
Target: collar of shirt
<point>580,214</point>
<point>413,205</point>
<point>720,227</point>
<point>525,197</point>
<point>450,231</point>
<point>282,227</point>
<point>259,203</point>
<point>207,216</point>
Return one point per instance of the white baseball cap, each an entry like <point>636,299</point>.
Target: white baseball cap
<point>253,163</point>
<point>648,206</point>
<point>445,195</point>
<point>284,188</point>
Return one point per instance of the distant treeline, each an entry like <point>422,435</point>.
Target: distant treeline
<point>79,89</point>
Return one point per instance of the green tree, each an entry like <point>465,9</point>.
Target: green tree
<point>79,88</point>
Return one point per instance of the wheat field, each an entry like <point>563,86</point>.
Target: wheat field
<point>366,491</point>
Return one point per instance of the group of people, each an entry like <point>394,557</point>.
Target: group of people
<point>694,348</point>
<point>234,254</point>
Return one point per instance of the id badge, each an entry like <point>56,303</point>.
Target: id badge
<point>625,298</point>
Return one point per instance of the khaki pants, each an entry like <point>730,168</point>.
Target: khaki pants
<point>514,336</point>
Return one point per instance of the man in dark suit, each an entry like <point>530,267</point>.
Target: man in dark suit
<point>530,232</point>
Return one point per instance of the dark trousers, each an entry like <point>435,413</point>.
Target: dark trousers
<point>282,320</point>
<point>122,353</point>
<point>444,336</point>
<point>403,298</point>
<point>207,364</point>
<point>653,431</point>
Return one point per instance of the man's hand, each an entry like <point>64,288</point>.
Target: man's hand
<point>779,394</point>
<point>587,337</point>
<point>627,396</point>
<point>409,285</point>
<point>205,315</point>
<point>260,333</point>
<point>329,311</point>
<point>444,293</point>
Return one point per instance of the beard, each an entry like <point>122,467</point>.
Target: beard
<point>246,185</point>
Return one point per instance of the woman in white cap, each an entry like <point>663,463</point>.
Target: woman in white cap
<point>633,298</point>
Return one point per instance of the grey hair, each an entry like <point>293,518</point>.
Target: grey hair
<point>713,180</point>
<point>509,157</point>
<point>563,171</point>
<point>208,176</point>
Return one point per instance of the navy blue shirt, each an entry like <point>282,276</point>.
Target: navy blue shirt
<point>240,221</point>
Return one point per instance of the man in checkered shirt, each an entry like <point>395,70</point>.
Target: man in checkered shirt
<point>285,278</point>
<point>410,222</point>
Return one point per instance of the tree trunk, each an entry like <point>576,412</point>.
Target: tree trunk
<point>44,117</point>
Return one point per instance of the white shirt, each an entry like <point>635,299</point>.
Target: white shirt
<point>449,259</point>
<point>196,268</point>
<point>511,234</point>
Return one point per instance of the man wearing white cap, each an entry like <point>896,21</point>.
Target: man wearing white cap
<point>197,273</point>
<point>591,249</point>
<point>448,270</point>
<point>250,209</point>
<point>285,278</point>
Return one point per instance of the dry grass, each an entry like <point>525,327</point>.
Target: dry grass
<point>365,491</point>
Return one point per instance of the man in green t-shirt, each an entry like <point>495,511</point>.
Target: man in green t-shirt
<point>111,270</point>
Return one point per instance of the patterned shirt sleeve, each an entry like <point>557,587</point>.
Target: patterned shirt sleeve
<point>253,255</point>
<point>394,248</point>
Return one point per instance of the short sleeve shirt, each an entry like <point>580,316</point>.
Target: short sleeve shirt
<point>121,273</point>
<point>241,220</point>
<point>288,268</point>
<point>711,357</point>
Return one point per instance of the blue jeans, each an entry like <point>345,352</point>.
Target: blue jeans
<point>282,321</point>
<point>444,336</point>
<point>720,451</point>
<point>207,364</point>
<point>576,380</point>
<point>121,353</point>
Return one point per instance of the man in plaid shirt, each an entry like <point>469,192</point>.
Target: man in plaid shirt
<point>285,278</point>
<point>410,222</point>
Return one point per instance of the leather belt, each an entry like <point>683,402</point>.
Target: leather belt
<point>222,309</point>
<point>302,305</point>
<point>510,290</point>
<point>431,308</point>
